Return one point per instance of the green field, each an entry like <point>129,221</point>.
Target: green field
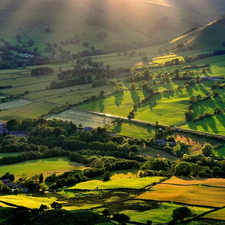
<point>214,125</point>
<point>133,130</point>
<point>26,111</point>
<point>134,183</point>
<point>28,201</point>
<point>161,215</point>
<point>13,104</point>
<point>47,166</point>
<point>85,118</point>
<point>119,104</point>
<point>218,215</point>
<point>163,59</point>
<point>169,108</point>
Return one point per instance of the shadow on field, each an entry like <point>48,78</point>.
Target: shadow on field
<point>202,88</point>
<point>135,96</point>
<point>117,128</point>
<point>101,105</point>
<point>119,98</point>
<point>221,119</point>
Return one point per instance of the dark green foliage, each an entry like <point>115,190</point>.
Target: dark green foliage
<point>106,213</point>
<point>121,218</point>
<point>207,150</point>
<point>106,176</point>
<point>181,213</point>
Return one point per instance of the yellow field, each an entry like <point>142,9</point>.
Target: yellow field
<point>219,215</point>
<point>166,58</point>
<point>194,195</point>
<point>209,182</point>
<point>28,201</point>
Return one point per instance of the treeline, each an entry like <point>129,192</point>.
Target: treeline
<point>193,165</point>
<point>41,71</point>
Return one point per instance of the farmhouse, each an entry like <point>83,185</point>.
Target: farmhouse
<point>88,129</point>
<point>161,142</point>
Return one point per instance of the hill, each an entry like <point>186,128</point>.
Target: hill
<point>77,25</point>
<point>210,36</point>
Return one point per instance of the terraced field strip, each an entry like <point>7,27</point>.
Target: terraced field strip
<point>191,195</point>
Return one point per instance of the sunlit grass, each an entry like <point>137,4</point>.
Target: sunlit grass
<point>134,183</point>
<point>45,166</point>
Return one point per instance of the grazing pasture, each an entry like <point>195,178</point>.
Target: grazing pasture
<point>134,130</point>
<point>163,214</point>
<point>166,58</point>
<point>169,108</point>
<point>217,215</point>
<point>14,104</point>
<point>27,200</point>
<point>119,104</point>
<point>46,166</point>
<point>85,118</point>
<point>193,195</point>
<point>26,111</point>
<point>134,183</point>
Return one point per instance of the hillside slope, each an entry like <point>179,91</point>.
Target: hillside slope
<point>210,36</point>
<point>100,23</point>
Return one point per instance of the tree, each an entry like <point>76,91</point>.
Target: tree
<point>24,66</point>
<point>181,213</point>
<point>56,205</point>
<point>144,58</point>
<point>133,86</point>
<point>106,213</point>
<point>48,30</point>
<point>207,150</point>
<point>101,94</point>
<point>121,218</point>
<point>41,178</point>
<point>222,165</point>
<point>106,176</point>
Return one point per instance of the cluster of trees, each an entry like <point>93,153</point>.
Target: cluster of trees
<point>199,165</point>
<point>146,74</point>
<point>66,179</point>
<point>41,71</point>
<point>102,35</point>
<point>74,40</point>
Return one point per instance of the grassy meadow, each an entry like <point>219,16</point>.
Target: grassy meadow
<point>26,111</point>
<point>133,183</point>
<point>119,104</point>
<point>217,215</point>
<point>133,130</point>
<point>161,215</point>
<point>86,119</point>
<point>169,108</point>
<point>48,166</point>
<point>13,104</point>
